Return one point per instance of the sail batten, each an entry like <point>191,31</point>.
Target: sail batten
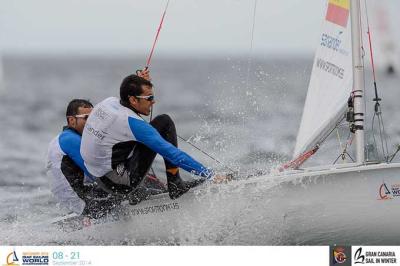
<point>331,78</point>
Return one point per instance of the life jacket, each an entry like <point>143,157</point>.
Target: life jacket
<point>111,133</point>
<point>66,170</point>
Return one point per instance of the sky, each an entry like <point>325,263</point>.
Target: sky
<point>190,26</point>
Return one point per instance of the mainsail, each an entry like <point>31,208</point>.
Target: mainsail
<point>331,79</point>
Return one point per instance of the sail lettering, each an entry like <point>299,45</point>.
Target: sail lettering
<point>330,68</point>
<point>330,42</point>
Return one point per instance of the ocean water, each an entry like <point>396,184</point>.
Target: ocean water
<point>246,117</point>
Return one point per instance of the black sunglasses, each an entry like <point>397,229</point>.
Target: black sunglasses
<point>148,97</point>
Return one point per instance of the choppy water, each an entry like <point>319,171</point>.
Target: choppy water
<point>249,126</point>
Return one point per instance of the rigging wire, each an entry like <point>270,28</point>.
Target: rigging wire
<point>207,154</point>
<point>251,45</point>
<point>349,141</point>
<point>394,154</point>
<point>247,86</point>
<point>364,79</point>
<point>340,142</point>
<point>377,108</point>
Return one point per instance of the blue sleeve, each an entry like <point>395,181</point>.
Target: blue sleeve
<point>149,136</point>
<point>70,143</point>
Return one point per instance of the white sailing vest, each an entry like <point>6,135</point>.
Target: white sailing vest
<point>60,186</point>
<point>106,126</point>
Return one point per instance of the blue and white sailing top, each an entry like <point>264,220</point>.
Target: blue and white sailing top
<point>67,171</point>
<point>111,132</point>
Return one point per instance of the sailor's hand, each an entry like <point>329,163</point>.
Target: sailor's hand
<point>218,179</point>
<point>144,73</point>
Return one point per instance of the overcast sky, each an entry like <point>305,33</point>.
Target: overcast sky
<point>129,26</point>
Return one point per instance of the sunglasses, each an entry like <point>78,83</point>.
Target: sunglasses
<point>85,116</point>
<point>148,97</point>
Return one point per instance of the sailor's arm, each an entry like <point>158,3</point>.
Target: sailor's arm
<point>70,144</point>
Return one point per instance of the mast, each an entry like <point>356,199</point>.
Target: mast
<point>358,79</point>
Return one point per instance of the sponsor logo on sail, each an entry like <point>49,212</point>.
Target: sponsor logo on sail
<point>333,42</point>
<point>331,68</point>
<point>12,259</point>
<point>338,12</point>
<point>330,42</point>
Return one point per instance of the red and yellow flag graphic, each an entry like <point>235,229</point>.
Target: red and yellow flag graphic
<point>338,12</point>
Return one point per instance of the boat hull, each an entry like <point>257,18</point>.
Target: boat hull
<point>343,205</point>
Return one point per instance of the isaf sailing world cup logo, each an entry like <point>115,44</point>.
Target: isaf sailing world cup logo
<point>384,192</point>
<point>12,259</point>
<point>389,192</point>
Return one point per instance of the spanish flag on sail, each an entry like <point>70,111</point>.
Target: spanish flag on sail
<point>338,12</point>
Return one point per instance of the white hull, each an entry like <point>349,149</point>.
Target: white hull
<point>314,206</point>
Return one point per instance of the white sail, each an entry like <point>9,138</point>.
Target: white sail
<point>331,79</point>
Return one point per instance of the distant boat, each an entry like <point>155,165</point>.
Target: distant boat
<point>349,203</point>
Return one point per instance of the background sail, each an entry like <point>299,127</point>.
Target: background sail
<point>331,78</point>
<point>384,35</point>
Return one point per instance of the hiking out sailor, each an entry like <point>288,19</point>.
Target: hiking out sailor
<point>72,184</point>
<point>119,146</point>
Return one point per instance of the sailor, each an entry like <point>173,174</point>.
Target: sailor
<point>72,185</point>
<point>119,146</point>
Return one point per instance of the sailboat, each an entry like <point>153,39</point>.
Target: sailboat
<point>347,203</point>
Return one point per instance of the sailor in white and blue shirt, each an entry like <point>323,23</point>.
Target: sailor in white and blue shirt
<point>118,146</point>
<point>71,183</point>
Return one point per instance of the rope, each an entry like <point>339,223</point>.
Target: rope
<point>294,164</point>
<point>156,38</point>
<point>383,135</point>
<point>149,61</point>
<point>370,42</point>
